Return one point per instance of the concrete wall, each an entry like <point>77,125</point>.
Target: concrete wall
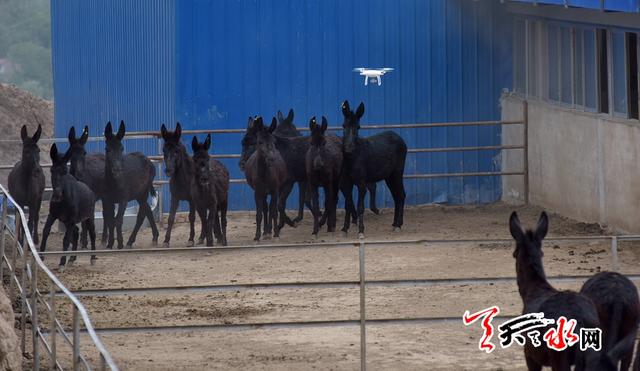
<point>582,165</point>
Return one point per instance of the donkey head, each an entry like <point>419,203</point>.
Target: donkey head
<point>201,159</point>
<point>172,149</point>
<point>266,141</point>
<point>78,153</point>
<point>528,252</point>
<point>350,126</point>
<point>58,171</point>
<point>249,142</point>
<point>115,150</point>
<point>286,127</point>
<point>318,141</point>
<point>30,149</point>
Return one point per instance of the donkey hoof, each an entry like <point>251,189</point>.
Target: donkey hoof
<point>314,236</point>
<point>154,242</point>
<point>266,236</point>
<point>361,236</point>
<point>93,261</point>
<point>200,241</point>
<point>129,246</point>
<point>190,243</point>
<point>165,245</point>
<point>396,229</point>
<point>61,269</point>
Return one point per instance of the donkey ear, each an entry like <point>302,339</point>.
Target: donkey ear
<point>360,110</point>
<point>515,228</point>
<point>207,142</point>
<point>250,123</point>
<point>543,226</point>
<point>274,125</point>
<point>324,125</point>
<point>313,125</point>
<point>194,144</point>
<point>346,110</point>
<point>290,115</point>
<point>121,131</point>
<point>72,135</point>
<point>163,132</point>
<point>280,116</point>
<point>36,136</point>
<point>23,133</point>
<point>67,156</point>
<point>84,136</point>
<point>108,131</point>
<point>178,133</point>
<point>53,152</point>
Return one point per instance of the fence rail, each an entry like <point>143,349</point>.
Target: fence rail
<point>23,267</point>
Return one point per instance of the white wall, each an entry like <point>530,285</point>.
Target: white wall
<point>582,165</point>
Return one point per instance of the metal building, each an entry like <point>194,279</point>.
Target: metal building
<point>212,63</point>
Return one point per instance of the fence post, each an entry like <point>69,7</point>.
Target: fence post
<point>363,333</point>
<point>54,328</point>
<point>3,224</point>
<point>525,154</point>
<point>76,338</point>
<point>23,294</point>
<point>12,277</point>
<point>614,254</point>
<point>34,312</point>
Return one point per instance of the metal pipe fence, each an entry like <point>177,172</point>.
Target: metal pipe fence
<point>361,282</point>
<point>158,158</point>
<point>27,274</point>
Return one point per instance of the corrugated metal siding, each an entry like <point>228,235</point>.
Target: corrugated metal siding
<point>114,60</point>
<point>244,57</point>
<point>632,6</point>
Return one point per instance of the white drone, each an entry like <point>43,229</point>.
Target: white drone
<point>373,74</point>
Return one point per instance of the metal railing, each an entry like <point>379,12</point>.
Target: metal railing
<point>23,266</point>
<point>524,172</point>
<point>361,282</point>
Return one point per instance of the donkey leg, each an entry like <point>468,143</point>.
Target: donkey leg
<point>302,199</point>
<point>172,218</point>
<point>139,220</point>
<point>223,222</point>
<point>330,208</point>
<point>348,206</point>
<point>396,186</point>
<point>45,233</point>
<point>372,198</point>
<point>285,190</point>
<point>152,223</point>
<point>214,223</point>
<point>89,225</point>
<point>83,238</point>
<point>315,209</point>
<point>266,232</point>
<point>36,220</point>
<point>192,221</point>
<point>259,211</point>
<point>65,245</point>
<point>202,213</point>
<point>362,191</point>
<point>273,213</point>
<point>74,243</point>
<point>108,223</point>
<point>118,223</point>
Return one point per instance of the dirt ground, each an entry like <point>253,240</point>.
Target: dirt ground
<point>433,345</point>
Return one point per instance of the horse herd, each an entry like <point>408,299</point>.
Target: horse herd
<point>274,158</point>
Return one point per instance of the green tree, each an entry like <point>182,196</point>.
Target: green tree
<point>25,39</point>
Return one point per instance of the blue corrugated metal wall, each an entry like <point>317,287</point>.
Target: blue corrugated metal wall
<point>240,58</point>
<point>113,60</point>
<point>212,63</point>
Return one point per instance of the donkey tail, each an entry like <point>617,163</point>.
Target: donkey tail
<point>152,191</point>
